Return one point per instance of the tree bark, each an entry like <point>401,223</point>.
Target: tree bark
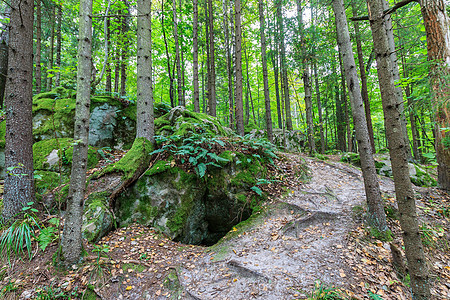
<point>229,61</point>
<point>19,181</point>
<point>376,215</point>
<point>171,88</point>
<point>396,73</point>
<point>58,45</point>
<point>262,25</point>
<point>212,74</point>
<point>177,55</point>
<point>396,142</point>
<point>436,24</point>
<point>38,73</point>
<point>195,57</point>
<point>124,55</point>
<point>50,71</point>
<point>340,114</point>
<point>274,57</point>
<point>362,72</point>
<point>144,111</point>
<point>285,83</point>
<point>108,84</point>
<point>72,242</point>
<point>238,64</point>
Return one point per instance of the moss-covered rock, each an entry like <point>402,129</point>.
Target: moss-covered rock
<point>48,155</point>
<point>290,141</point>
<point>112,121</point>
<point>351,158</point>
<point>97,218</point>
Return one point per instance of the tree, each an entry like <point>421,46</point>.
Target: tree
<point>438,45</point>
<point>376,215</point>
<point>177,55</point>
<point>71,241</point>
<point>58,44</point>
<point>144,120</point>
<point>238,66</point>
<point>212,65</point>
<point>262,24</point>
<point>19,182</point>
<point>396,143</point>
<point>195,57</point>
<point>38,74</point>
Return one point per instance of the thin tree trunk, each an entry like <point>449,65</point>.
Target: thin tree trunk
<point>247,89</point>
<point>38,74</point>
<point>212,75</point>
<point>403,189</point>
<point>3,64</point>
<point>229,64</point>
<point>72,242</point>
<point>319,107</point>
<point>362,72</point>
<point>117,68</point>
<point>177,55</point>
<point>19,181</point>
<point>124,55</point>
<point>105,61</point>
<point>108,84</point>
<point>208,57</point>
<point>144,112</point>
<point>436,24</point>
<point>274,57</point>
<point>340,122</point>
<point>58,45</point>
<point>238,64</point>
<point>376,215</point>
<point>50,71</point>
<point>195,57</point>
<point>171,88</point>
<point>262,26</point>
<point>285,84</point>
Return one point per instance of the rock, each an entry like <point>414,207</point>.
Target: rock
<point>97,218</point>
<point>290,141</point>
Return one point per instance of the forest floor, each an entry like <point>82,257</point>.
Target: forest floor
<point>308,239</point>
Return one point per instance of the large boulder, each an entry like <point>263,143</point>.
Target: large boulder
<point>290,141</point>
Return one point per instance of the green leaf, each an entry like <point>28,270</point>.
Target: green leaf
<point>201,169</point>
<point>256,190</point>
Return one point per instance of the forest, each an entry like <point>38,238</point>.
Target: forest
<point>204,150</point>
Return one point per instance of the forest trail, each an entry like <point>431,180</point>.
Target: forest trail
<point>302,240</point>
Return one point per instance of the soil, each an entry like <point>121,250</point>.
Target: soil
<point>311,239</point>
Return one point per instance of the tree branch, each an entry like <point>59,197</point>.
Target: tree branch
<point>387,11</point>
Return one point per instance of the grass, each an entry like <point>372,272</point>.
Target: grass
<point>323,292</point>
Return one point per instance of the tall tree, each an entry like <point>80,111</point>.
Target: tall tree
<point>124,53</point>
<point>306,81</point>
<point>238,66</point>
<point>177,55</point>
<point>362,72</point>
<point>262,26</point>
<point>438,45</point>
<point>38,73</point>
<point>403,189</point>
<point>376,215</point>
<point>229,62</point>
<point>144,119</point>
<point>195,57</point>
<point>285,82</point>
<point>19,182</point>
<point>72,242</point>
<point>59,17</point>
<point>50,71</point>
<point>212,65</point>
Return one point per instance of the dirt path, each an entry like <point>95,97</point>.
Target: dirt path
<point>302,240</point>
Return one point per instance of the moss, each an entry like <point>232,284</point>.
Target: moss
<point>161,122</point>
<point>161,109</point>
<point>64,146</point>
<point>97,218</point>
<point>138,155</point>
<point>178,220</point>
<point>49,180</point>
<point>134,267</point>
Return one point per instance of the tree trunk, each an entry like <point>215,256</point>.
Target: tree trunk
<point>306,82</point>
<point>340,110</point>
<point>212,74</point>
<point>262,25</point>
<point>285,84</point>
<point>319,107</point>
<point>58,45</point>
<point>362,72</point>
<point>72,242</point>
<point>144,111</point>
<point>195,57</point>
<point>50,71</point>
<point>376,215</point>
<point>19,181</point>
<point>108,84</point>
<point>171,88</point>
<point>116,69</point>
<point>247,88</point>
<point>177,55</point>
<point>38,73</point>
<point>396,74</point>
<point>124,55</point>
<point>238,64</point>
<point>436,24</point>
<point>274,57</point>
<point>396,142</point>
<point>229,63</point>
